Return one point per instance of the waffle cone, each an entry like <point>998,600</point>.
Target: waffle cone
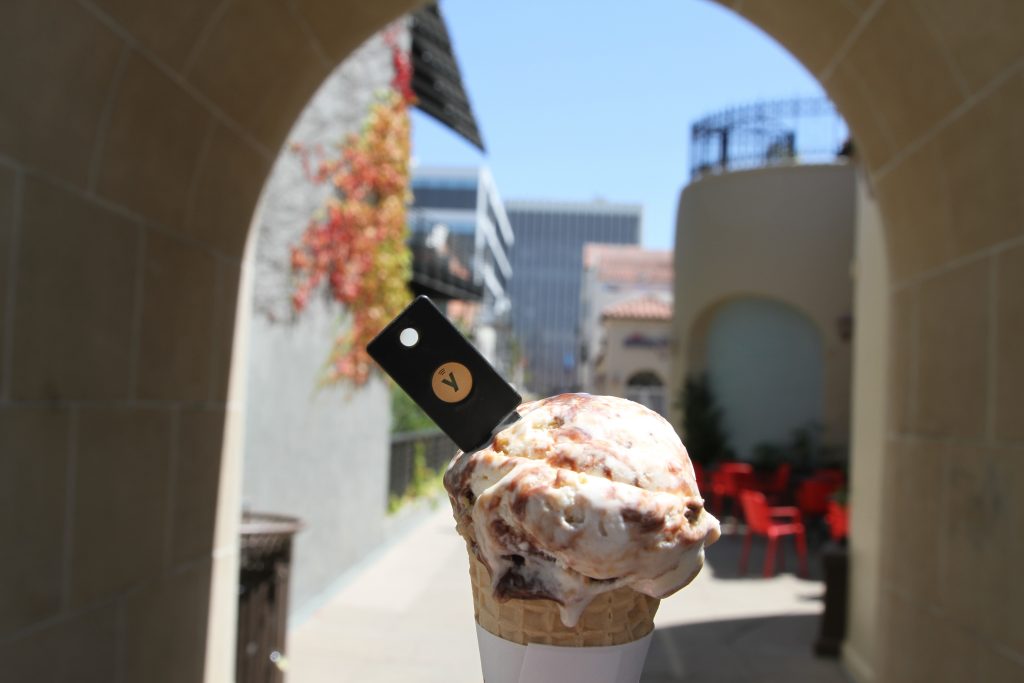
<point>613,618</point>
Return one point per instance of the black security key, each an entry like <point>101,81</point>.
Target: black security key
<point>445,375</point>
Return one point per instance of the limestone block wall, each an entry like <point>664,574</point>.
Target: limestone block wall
<point>868,419</point>
<point>135,138</point>
<point>934,95</point>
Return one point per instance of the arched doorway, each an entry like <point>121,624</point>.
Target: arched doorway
<point>765,364</point>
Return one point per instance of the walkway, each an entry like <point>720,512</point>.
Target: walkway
<point>408,616</point>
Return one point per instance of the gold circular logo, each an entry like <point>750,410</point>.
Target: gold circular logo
<point>452,382</point>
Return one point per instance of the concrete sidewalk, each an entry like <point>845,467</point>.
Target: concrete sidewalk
<point>408,616</point>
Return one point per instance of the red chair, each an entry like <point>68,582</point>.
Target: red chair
<point>727,481</point>
<point>813,495</point>
<point>833,475</point>
<point>838,518</point>
<point>773,523</point>
<point>776,484</point>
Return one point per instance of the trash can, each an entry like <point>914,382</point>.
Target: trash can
<point>266,553</point>
<point>836,560</point>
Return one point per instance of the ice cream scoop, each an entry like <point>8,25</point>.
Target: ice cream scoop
<point>581,496</point>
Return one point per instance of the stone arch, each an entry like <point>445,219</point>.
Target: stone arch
<point>935,140</point>
<point>133,144</point>
<point>696,344</point>
<point>766,361</point>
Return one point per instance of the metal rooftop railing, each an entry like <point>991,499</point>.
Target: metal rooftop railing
<point>808,130</point>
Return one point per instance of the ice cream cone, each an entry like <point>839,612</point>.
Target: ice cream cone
<point>613,618</point>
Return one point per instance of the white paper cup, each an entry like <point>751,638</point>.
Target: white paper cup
<point>503,661</point>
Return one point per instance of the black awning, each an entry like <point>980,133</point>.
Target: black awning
<point>435,75</point>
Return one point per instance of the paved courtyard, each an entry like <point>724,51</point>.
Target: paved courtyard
<point>407,615</point>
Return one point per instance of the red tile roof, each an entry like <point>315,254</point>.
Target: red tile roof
<point>644,308</point>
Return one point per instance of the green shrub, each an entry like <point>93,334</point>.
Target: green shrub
<point>805,449</point>
<point>425,480</point>
<point>703,434</point>
<point>406,416</point>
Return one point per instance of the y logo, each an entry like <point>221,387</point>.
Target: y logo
<point>452,382</point>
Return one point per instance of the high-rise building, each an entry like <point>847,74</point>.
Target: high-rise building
<point>458,214</point>
<point>548,262</point>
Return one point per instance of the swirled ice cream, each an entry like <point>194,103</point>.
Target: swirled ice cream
<point>582,495</point>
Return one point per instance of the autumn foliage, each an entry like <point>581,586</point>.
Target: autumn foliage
<point>355,247</point>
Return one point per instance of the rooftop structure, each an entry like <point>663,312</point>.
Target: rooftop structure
<point>767,134</point>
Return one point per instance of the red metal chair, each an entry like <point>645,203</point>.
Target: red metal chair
<point>728,479</point>
<point>772,523</point>
<point>838,519</point>
<point>776,484</point>
<point>813,495</point>
<point>833,475</point>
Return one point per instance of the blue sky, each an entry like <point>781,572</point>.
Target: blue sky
<point>582,100</point>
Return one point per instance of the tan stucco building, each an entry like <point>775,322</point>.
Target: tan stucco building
<point>763,298</point>
<point>134,143</point>
<point>615,274</point>
<point>635,356</point>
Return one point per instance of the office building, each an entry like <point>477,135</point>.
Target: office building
<point>548,261</point>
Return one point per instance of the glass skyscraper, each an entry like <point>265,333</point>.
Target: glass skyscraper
<point>547,259</point>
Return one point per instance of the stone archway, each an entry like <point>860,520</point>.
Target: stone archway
<point>133,143</point>
<point>930,91</point>
<point>765,361</point>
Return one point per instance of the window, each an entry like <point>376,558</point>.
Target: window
<point>647,389</point>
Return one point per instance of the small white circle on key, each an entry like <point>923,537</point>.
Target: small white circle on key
<point>409,337</point>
